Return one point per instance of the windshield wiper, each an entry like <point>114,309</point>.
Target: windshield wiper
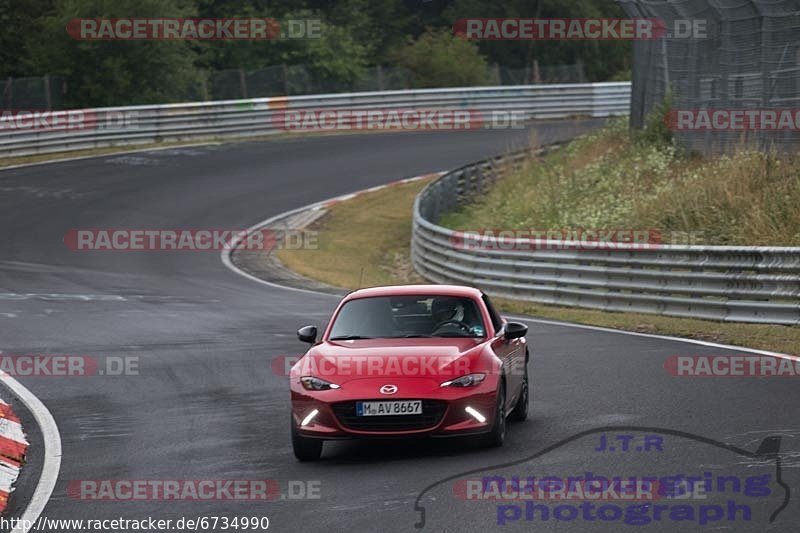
<point>417,336</point>
<point>349,338</point>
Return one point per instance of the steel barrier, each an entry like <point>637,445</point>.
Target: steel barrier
<point>136,125</point>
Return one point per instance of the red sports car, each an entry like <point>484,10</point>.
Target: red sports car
<point>411,360</point>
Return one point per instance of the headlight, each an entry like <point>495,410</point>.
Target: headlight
<point>312,383</point>
<point>470,380</point>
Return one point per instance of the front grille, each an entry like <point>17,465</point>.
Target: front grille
<point>432,413</point>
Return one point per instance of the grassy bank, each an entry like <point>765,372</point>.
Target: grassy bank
<point>364,241</point>
<point>608,179</point>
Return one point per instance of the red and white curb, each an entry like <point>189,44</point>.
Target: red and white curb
<point>13,448</point>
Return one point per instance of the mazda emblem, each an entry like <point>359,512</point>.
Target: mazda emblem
<point>388,389</point>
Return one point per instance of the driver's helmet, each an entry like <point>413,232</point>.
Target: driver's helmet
<point>445,309</point>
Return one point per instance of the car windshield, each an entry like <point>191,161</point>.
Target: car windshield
<point>408,317</point>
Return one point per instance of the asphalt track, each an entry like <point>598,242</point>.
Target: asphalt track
<point>206,404</point>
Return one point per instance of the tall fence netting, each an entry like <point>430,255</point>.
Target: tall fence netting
<point>51,92</point>
<point>748,58</point>
<point>41,92</point>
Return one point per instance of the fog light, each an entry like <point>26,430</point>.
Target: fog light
<point>476,415</point>
<point>310,416</point>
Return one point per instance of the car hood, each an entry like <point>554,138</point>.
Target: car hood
<point>432,358</point>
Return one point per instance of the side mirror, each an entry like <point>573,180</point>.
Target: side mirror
<point>307,334</point>
<point>515,330</point>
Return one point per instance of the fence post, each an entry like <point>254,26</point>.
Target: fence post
<point>243,83</point>
<point>496,74</point>
<point>204,88</point>
<point>48,100</point>
<point>9,92</point>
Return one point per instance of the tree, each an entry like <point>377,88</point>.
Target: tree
<point>104,73</point>
<point>601,59</point>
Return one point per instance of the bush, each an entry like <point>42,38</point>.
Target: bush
<point>656,131</point>
<point>622,75</point>
<point>440,59</point>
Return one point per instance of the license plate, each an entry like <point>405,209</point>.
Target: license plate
<point>409,407</point>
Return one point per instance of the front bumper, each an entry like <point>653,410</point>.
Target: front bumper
<point>443,414</point>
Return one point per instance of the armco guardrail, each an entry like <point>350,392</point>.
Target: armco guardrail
<point>129,126</point>
<point>737,284</point>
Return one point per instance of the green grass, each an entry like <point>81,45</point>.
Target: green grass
<point>609,180</point>
<point>363,241</point>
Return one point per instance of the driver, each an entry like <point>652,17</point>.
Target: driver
<point>446,310</point>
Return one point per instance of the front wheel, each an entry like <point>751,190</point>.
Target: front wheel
<point>305,449</point>
<point>520,411</point>
<point>497,436</point>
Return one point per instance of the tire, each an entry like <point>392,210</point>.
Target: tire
<point>497,436</point>
<point>520,410</point>
<point>305,449</point>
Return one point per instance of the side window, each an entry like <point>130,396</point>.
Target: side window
<point>497,322</point>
